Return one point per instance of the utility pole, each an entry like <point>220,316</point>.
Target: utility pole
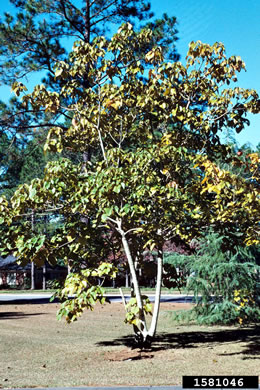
<point>32,263</point>
<point>44,267</point>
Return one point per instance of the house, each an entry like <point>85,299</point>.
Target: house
<point>14,275</point>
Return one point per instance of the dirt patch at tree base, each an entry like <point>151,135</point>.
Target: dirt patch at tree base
<point>127,355</point>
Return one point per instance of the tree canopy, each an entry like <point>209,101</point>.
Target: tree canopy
<point>156,177</point>
<point>35,38</point>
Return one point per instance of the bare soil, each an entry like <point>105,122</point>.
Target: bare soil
<point>98,350</point>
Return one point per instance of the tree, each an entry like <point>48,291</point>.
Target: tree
<point>21,162</point>
<point>223,280</point>
<point>36,37</point>
<point>155,176</point>
<point>9,170</point>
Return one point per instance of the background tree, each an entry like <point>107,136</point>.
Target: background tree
<point>156,175</point>
<point>223,280</point>
<point>22,162</point>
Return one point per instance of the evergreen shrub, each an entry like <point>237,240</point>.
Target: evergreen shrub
<point>224,283</point>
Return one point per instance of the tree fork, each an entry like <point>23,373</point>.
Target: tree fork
<point>141,332</point>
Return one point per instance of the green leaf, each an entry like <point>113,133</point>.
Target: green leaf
<point>32,193</point>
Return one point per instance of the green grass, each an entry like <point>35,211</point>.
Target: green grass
<point>38,351</point>
<point>109,290</point>
<point>145,290</point>
<point>18,291</point>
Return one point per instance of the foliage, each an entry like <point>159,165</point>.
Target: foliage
<point>27,283</point>
<point>133,311</point>
<point>9,172</point>
<point>223,281</point>
<point>173,277</point>
<point>245,301</point>
<point>156,175</point>
<point>22,162</point>
<point>53,284</point>
<point>35,38</point>
<point>32,40</point>
<point>86,289</point>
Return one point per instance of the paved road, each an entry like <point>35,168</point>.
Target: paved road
<point>45,298</point>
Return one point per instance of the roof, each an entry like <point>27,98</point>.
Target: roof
<point>9,260</point>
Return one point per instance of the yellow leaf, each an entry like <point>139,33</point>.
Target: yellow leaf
<point>204,180</point>
<point>116,104</point>
<point>152,246</point>
<point>113,103</point>
<point>149,56</point>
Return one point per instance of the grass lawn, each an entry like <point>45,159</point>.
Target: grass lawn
<point>38,351</point>
<point>18,291</point>
<point>109,290</point>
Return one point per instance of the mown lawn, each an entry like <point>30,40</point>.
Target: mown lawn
<point>38,351</point>
<point>109,290</point>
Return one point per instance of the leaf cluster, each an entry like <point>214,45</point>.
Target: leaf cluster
<point>81,291</point>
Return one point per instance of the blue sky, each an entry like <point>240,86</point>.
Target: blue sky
<point>236,23</point>
<point>232,22</point>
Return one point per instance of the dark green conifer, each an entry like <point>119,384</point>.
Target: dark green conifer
<point>224,282</point>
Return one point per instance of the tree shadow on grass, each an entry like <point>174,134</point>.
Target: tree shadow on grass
<point>200,339</point>
<point>15,315</point>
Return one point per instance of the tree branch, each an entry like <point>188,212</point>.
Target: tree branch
<point>98,128</point>
<point>102,10</point>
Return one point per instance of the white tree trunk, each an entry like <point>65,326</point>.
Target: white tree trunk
<point>154,322</point>
<point>142,330</point>
<point>142,327</point>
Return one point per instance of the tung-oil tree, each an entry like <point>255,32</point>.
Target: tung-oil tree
<point>155,126</point>
<point>33,37</point>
